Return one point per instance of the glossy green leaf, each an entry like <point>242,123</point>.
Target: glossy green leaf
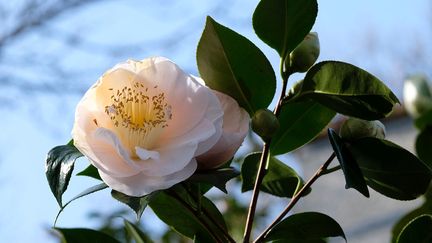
<point>90,171</point>
<point>280,180</point>
<point>305,227</point>
<point>231,64</point>
<point>426,208</point>
<point>423,146</point>
<point>418,230</point>
<point>390,169</point>
<point>59,167</point>
<point>135,233</point>
<point>86,192</point>
<point>348,90</point>
<point>300,122</point>
<point>353,175</point>
<point>80,235</point>
<point>191,217</point>
<point>217,177</point>
<point>283,24</point>
<point>137,204</point>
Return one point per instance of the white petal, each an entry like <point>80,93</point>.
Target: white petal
<point>145,154</point>
<point>140,184</point>
<point>235,129</point>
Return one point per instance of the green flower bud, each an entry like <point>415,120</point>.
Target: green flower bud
<point>354,128</point>
<point>265,124</point>
<point>416,95</point>
<point>305,54</point>
<point>295,89</point>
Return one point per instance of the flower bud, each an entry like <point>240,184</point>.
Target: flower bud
<point>305,54</point>
<point>417,96</point>
<point>265,124</point>
<point>354,128</point>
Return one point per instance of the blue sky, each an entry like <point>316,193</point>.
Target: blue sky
<point>375,35</point>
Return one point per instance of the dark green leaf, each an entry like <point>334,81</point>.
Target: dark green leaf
<point>90,171</point>
<point>348,90</point>
<point>305,227</point>
<point>135,233</point>
<point>353,175</point>
<point>390,169</point>
<point>283,24</point>
<point>178,209</point>
<point>423,146</point>
<point>280,180</point>
<point>80,235</point>
<point>137,204</point>
<point>58,168</point>
<point>300,122</point>
<point>419,230</point>
<point>424,120</point>
<point>86,192</point>
<point>426,208</point>
<point>231,64</point>
<point>217,178</point>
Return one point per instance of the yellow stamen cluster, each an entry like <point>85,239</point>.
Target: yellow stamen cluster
<point>138,116</point>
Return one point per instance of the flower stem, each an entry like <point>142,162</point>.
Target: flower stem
<point>213,234</point>
<point>263,165</point>
<point>321,171</point>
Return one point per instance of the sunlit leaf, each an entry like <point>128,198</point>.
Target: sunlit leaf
<point>300,122</point>
<point>348,90</point>
<point>231,64</point>
<point>283,24</point>
<point>59,167</point>
<point>305,227</point>
<point>135,233</point>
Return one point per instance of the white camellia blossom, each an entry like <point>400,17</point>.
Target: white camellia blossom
<point>145,124</point>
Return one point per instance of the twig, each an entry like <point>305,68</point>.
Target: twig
<point>321,171</point>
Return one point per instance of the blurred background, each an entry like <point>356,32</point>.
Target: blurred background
<point>52,51</point>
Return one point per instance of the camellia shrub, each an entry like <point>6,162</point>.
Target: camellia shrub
<point>159,137</point>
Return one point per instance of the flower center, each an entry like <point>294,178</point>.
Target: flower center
<point>138,114</point>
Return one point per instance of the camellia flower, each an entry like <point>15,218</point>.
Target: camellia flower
<point>144,125</point>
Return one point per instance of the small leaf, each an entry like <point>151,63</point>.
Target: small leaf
<point>79,235</point>
<point>305,227</point>
<point>300,122</point>
<point>390,169</point>
<point>348,90</point>
<point>135,233</point>
<point>353,175</point>
<point>217,178</point>
<point>418,230</point>
<point>283,24</point>
<point>137,204</point>
<point>59,167</point>
<point>231,64</point>
<point>423,146</point>
<point>90,171</point>
<point>86,192</point>
<point>280,180</point>
<point>179,210</point>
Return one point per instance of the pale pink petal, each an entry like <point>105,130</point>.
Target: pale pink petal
<point>235,129</point>
<point>141,184</point>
